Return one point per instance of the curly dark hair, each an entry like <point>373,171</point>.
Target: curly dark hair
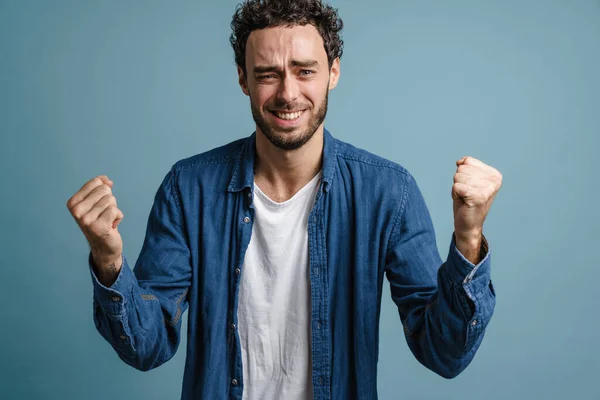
<point>259,14</point>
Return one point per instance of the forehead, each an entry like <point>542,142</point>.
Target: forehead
<point>281,44</point>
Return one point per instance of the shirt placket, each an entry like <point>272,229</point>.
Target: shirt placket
<point>245,223</point>
<point>319,301</point>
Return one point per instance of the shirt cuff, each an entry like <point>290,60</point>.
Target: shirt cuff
<point>463,270</point>
<point>112,299</point>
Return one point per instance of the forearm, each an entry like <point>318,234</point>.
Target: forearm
<point>445,333</point>
<point>134,321</point>
<point>105,268</point>
<point>469,246</point>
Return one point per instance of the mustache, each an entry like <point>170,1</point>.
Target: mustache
<point>287,107</point>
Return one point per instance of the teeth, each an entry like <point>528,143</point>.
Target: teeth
<point>288,116</point>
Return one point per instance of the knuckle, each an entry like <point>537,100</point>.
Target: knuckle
<point>496,178</point>
<point>76,212</point>
<point>97,181</point>
<point>112,209</point>
<point>100,189</point>
<point>87,220</point>
<point>105,189</point>
<point>109,199</point>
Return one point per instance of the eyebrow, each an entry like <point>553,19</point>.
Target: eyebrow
<point>305,63</point>
<point>296,63</point>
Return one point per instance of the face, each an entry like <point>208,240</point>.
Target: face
<point>288,80</point>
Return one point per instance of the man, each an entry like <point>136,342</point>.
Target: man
<point>278,243</point>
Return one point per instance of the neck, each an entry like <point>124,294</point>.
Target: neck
<point>281,173</point>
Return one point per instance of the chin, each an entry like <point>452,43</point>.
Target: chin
<point>290,140</point>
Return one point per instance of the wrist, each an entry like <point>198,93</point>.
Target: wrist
<point>469,245</point>
<point>470,239</point>
<point>107,269</point>
<point>104,262</point>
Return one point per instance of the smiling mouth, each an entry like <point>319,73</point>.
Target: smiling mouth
<point>288,116</point>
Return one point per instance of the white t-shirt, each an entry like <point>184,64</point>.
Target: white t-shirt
<point>274,309</point>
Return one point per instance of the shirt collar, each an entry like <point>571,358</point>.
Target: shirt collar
<point>243,173</point>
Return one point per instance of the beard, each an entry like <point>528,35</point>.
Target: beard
<point>277,135</point>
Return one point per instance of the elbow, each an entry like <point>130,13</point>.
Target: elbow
<point>448,369</point>
<point>148,355</point>
<point>144,367</point>
<point>139,362</point>
<point>451,367</point>
<point>450,372</point>
<point>444,363</point>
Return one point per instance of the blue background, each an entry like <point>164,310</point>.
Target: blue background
<point>126,88</point>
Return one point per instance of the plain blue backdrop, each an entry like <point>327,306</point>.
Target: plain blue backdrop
<point>127,88</point>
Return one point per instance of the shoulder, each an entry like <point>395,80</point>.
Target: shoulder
<point>222,155</point>
<point>353,157</point>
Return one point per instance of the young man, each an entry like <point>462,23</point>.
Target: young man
<point>278,243</point>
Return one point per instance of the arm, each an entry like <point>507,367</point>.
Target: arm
<point>139,314</point>
<point>444,307</point>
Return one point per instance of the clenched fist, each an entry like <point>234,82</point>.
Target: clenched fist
<point>95,210</point>
<point>475,187</point>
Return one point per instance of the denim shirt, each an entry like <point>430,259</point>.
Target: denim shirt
<point>369,220</point>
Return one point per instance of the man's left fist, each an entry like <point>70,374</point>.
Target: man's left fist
<point>474,189</point>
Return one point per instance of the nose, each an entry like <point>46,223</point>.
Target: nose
<point>288,89</point>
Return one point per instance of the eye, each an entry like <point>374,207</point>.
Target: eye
<point>266,77</point>
<point>306,72</point>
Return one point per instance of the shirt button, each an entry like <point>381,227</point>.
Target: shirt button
<point>123,337</point>
<point>316,271</point>
<point>237,271</point>
<point>233,326</point>
<point>234,382</point>
<point>474,322</point>
<point>249,194</point>
<point>318,325</point>
<point>116,298</point>
<point>320,380</point>
<point>246,219</point>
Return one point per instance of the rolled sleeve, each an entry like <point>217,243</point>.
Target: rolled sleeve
<point>475,282</point>
<point>463,271</point>
<point>112,299</point>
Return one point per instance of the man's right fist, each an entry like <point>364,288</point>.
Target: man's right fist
<point>95,210</point>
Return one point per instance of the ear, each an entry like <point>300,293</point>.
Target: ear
<point>242,81</point>
<point>334,73</point>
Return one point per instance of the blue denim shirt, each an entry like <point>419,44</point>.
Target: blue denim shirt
<point>369,220</point>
